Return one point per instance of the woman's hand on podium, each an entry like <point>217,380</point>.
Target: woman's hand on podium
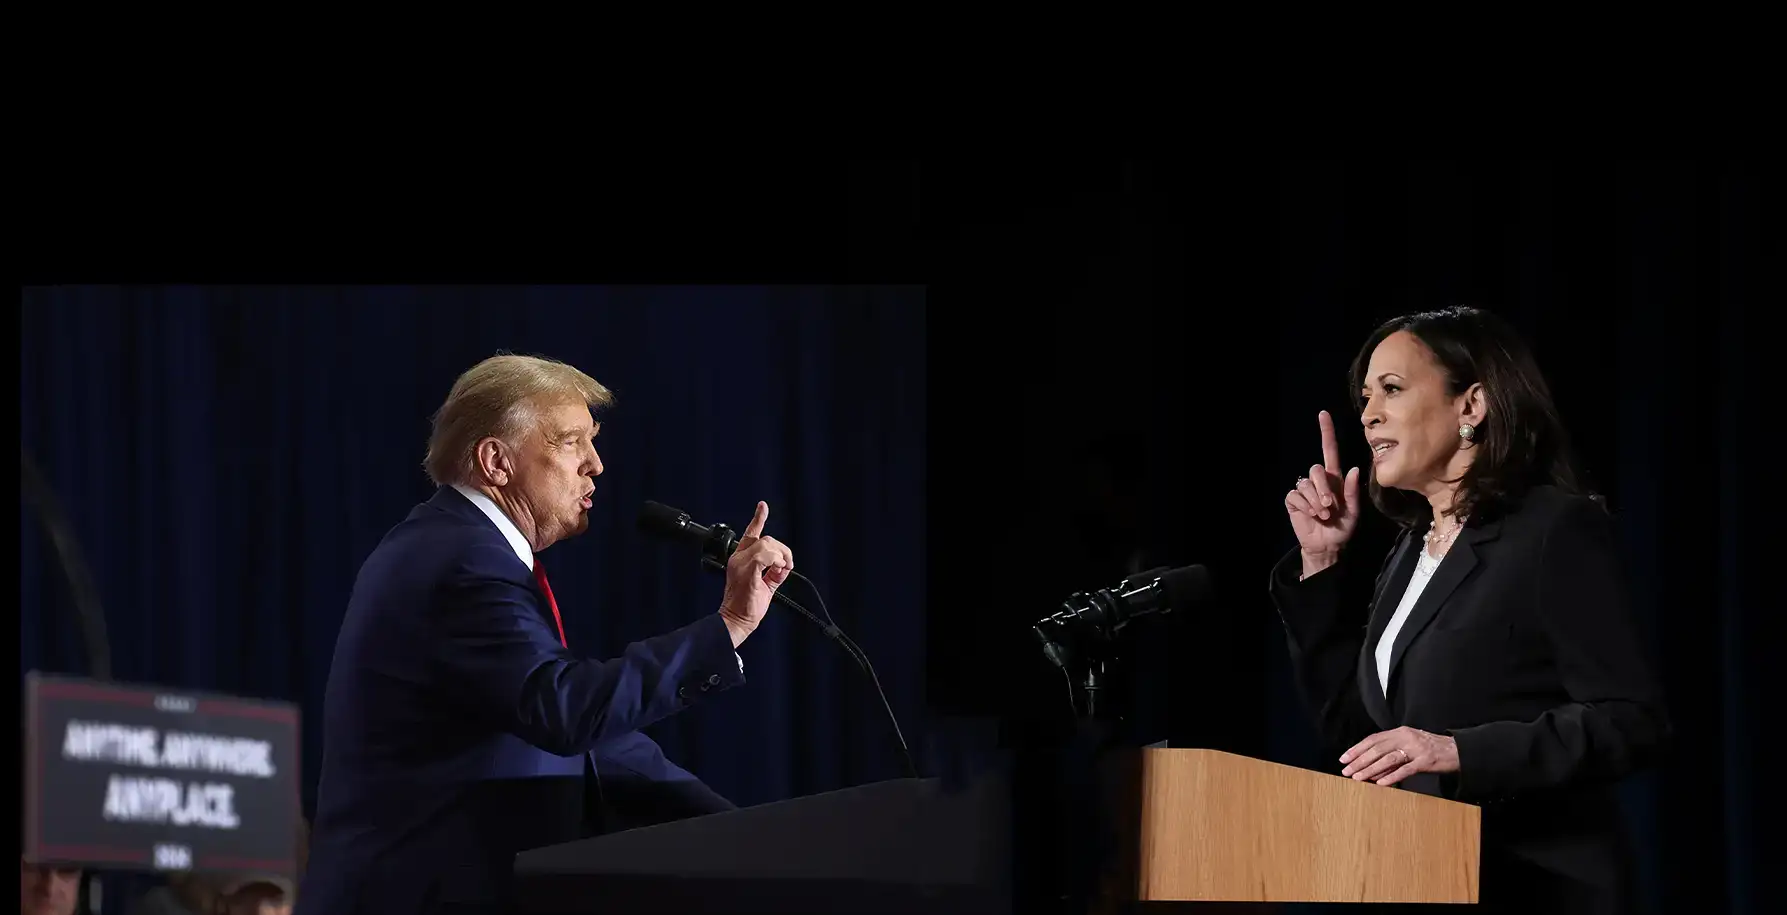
<point>1388,757</point>
<point>1324,506</point>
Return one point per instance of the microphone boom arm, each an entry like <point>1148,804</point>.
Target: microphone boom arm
<point>850,647</point>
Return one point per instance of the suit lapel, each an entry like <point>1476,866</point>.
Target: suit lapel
<point>1463,558</point>
<point>1389,592</point>
<point>1396,578</point>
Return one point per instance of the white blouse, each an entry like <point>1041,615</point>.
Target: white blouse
<point>1424,567</point>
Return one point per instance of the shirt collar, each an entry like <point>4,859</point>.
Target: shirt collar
<point>502,522</point>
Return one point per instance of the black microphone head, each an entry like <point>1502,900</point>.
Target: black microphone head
<point>663,521</point>
<point>1142,579</point>
<point>1186,586</point>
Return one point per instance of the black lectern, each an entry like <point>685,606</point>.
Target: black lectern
<point>906,845</point>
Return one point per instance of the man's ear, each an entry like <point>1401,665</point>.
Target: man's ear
<point>495,462</point>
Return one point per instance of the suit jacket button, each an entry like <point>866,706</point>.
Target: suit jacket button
<point>682,691</point>
<point>713,680</point>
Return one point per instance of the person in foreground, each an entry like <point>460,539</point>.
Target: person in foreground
<point>458,726</point>
<point>1491,658</point>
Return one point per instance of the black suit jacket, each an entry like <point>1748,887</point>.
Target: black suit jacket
<point>1523,649</point>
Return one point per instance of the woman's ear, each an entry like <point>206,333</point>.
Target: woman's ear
<point>1476,405</point>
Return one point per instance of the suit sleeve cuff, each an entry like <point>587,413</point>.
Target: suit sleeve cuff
<point>1306,605</point>
<point>1486,756</point>
<point>710,674</point>
<point>1288,583</point>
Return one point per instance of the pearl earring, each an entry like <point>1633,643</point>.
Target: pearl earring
<point>1466,430</point>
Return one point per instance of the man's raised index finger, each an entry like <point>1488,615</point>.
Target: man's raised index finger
<point>755,528</point>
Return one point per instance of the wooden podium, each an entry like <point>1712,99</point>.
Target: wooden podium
<point>1203,825</point>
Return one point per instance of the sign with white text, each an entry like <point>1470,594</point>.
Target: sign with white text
<point>121,776</point>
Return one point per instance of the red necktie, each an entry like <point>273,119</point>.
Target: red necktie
<point>540,576</point>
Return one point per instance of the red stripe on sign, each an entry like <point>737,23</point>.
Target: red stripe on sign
<point>98,693</point>
<point>222,863</point>
<point>218,707</point>
<point>93,853</point>
<point>297,771</point>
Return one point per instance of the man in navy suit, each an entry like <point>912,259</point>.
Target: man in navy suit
<point>458,727</point>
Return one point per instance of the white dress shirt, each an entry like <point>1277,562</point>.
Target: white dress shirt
<point>523,550</point>
<point>1424,567</point>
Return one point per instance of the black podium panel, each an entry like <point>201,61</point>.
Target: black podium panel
<point>906,845</point>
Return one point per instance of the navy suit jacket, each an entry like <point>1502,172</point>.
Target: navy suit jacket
<point>458,731</point>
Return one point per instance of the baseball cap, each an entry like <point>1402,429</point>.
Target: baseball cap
<point>229,884</point>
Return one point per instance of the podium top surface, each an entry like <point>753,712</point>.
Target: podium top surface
<point>898,831</point>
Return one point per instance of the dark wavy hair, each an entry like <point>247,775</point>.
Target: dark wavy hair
<point>1520,444</point>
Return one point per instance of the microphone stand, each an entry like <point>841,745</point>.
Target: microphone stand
<point>724,539</point>
<point>1094,682</point>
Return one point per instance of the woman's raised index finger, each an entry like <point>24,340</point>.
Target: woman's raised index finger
<point>1330,445</point>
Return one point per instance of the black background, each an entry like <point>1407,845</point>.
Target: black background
<point>1131,354</point>
<point>1129,358</point>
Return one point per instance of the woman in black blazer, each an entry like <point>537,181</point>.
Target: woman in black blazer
<point>1491,658</point>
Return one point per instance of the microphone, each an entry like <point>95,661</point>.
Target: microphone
<point>1101,614</point>
<point>717,543</point>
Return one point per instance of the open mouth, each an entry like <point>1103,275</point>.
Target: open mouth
<point>1380,449</point>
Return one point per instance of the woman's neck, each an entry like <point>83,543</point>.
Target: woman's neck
<point>1441,499</point>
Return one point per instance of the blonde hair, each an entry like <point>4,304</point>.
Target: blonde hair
<point>500,397</point>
